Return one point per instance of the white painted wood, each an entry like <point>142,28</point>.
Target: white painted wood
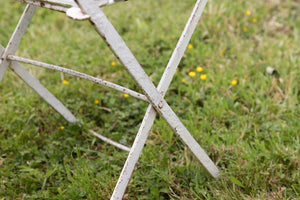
<point>181,46</point>
<point>134,153</point>
<point>63,5</point>
<point>62,2</point>
<point>41,90</point>
<point>150,115</point>
<point>153,95</point>
<point>73,4</point>
<point>16,38</point>
<point>44,4</point>
<point>109,141</point>
<point>80,75</point>
<point>52,101</point>
<point>75,13</point>
<point>12,46</point>
<point>118,46</point>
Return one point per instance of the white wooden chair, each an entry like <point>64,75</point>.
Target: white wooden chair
<point>91,10</point>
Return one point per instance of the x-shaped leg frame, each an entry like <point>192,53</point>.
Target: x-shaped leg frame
<point>22,72</point>
<point>8,60</point>
<point>155,96</point>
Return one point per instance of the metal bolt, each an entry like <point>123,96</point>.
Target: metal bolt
<point>160,104</point>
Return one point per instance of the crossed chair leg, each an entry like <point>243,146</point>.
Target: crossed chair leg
<point>155,96</point>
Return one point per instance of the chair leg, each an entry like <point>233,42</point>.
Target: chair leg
<point>134,154</point>
<point>22,72</point>
<point>149,117</point>
<point>118,46</point>
<point>16,38</point>
<point>41,90</point>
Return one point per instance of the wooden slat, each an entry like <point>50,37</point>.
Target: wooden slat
<point>120,49</point>
<point>150,115</point>
<point>66,3</point>
<point>62,2</point>
<point>16,38</point>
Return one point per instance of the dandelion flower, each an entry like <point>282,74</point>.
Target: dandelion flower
<point>96,101</point>
<point>15,5</point>
<point>245,29</point>
<point>248,12</point>
<point>254,20</point>
<point>234,82</point>
<point>190,46</point>
<point>65,82</point>
<point>199,69</point>
<point>62,128</point>
<point>113,63</point>
<point>192,74</point>
<point>125,95</point>
<point>183,80</point>
<point>203,76</point>
<point>221,55</point>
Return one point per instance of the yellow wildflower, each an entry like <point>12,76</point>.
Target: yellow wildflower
<point>65,82</point>
<point>183,80</point>
<point>203,76</point>
<point>245,29</point>
<point>190,46</point>
<point>113,63</point>
<point>192,74</point>
<point>15,5</point>
<point>62,128</point>
<point>199,69</point>
<point>248,12</point>
<point>254,20</point>
<point>234,82</point>
<point>125,95</point>
<point>283,10</point>
<point>173,37</point>
<point>221,55</point>
<point>96,101</point>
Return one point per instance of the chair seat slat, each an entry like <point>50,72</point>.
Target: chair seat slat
<point>69,3</point>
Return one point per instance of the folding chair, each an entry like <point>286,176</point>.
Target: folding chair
<point>91,10</point>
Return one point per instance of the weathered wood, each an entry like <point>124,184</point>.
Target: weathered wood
<point>109,141</point>
<point>89,9</point>
<point>16,38</point>
<point>41,90</point>
<point>73,4</point>
<point>7,56</point>
<point>118,46</point>
<point>64,5</point>
<point>68,6</point>
<point>80,75</point>
<point>150,115</point>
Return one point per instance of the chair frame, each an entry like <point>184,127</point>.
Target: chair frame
<point>90,10</point>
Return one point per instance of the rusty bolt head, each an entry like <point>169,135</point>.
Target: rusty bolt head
<point>160,104</point>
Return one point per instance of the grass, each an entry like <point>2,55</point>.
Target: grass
<point>251,129</point>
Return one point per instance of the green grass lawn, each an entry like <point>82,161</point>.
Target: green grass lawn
<point>246,119</point>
